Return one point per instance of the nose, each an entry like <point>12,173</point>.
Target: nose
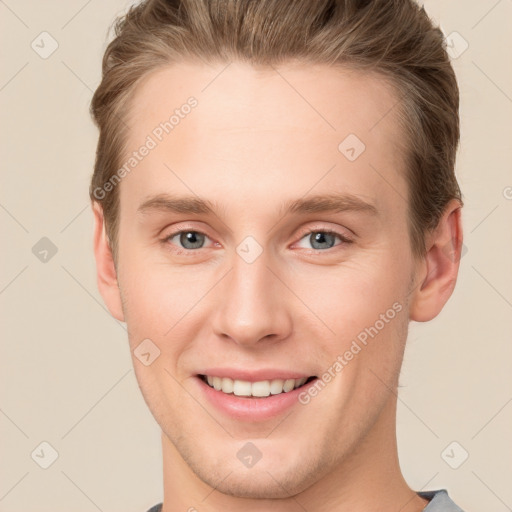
<point>253,305</point>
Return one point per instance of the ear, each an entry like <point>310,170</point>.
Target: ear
<point>437,273</point>
<point>106,274</point>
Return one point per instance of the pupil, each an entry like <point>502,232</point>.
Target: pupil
<point>322,238</point>
<point>191,240</point>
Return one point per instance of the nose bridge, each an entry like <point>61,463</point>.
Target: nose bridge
<point>251,305</point>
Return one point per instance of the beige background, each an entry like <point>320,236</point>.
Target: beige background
<point>66,375</point>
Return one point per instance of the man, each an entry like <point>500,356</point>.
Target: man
<point>274,200</point>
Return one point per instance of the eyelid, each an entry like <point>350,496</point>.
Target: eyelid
<point>325,229</point>
<point>342,243</point>
<point>184,229</point>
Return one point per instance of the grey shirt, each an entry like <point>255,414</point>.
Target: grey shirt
<point>439,501</point>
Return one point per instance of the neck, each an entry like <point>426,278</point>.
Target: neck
<point>369,478</point>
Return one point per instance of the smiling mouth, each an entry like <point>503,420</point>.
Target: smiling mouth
<point>260,389</point>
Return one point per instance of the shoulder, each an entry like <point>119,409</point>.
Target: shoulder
<point>439,501</point>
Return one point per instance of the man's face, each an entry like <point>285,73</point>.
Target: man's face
<point>257,292</point>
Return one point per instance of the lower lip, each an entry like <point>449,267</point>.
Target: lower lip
<point>250,408</point>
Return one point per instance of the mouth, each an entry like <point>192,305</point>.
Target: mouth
<point>259,389</point>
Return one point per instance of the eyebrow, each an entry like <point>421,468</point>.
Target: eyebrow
<point>312,204</point>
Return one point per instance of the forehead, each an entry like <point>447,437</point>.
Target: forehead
<point>251,130</point>
<point>236,95</point>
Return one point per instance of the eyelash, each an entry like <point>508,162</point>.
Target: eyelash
<point>344,240</point>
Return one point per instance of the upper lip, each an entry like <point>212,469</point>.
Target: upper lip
<point>254,375</point>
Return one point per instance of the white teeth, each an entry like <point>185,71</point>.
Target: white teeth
<point>217,383</point>
<point>242,388</point>
<point>276,387</point>
<point>261,388</point>
<point>289,384</point>
<point>227,385</point>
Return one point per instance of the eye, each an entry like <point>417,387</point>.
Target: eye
<point>323,239</point>
<point>187,239</point>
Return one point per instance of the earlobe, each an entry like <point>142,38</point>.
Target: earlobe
<point>106,274</point>
<point>437,275</point>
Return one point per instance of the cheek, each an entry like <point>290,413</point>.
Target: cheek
<point>353,295</point>
<point>166,305</point>
<point>157,295</point>
<point>364,307</point>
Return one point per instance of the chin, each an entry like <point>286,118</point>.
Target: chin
<point>275,476</point>
<point>259,484</point>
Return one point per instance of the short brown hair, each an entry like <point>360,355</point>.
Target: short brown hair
<point>394,38</point>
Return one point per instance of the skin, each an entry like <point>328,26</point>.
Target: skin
<point>251,144</point>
